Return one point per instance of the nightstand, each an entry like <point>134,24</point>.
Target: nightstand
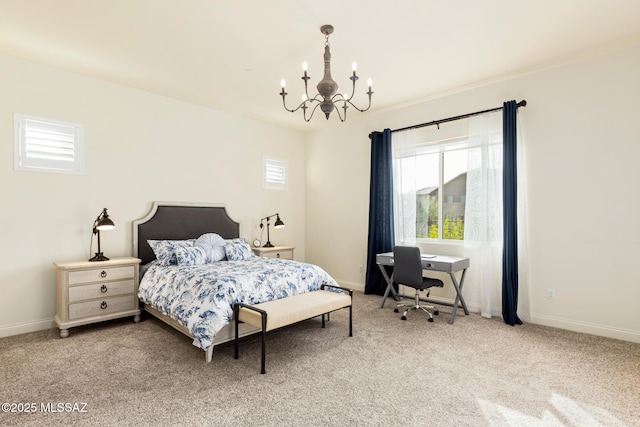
<point>90,292</point>
<point>283,252</point>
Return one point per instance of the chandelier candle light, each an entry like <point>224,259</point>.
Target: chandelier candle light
<point>327,97</point>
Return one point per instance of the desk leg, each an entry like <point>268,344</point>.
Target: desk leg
<point>459,297</point>
<point>389,281</point>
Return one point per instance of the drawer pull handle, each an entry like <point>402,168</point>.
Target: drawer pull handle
<point>103,305</point>
<point>103,274</point>
<point>103,289</point>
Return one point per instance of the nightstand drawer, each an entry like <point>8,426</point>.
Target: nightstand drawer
<point>100,290</point>
<point>101,274</point>
<point>279,254</point>
<point>100,307</point>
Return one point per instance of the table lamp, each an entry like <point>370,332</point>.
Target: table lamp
<point>102,223</point>
<point>277,224</point>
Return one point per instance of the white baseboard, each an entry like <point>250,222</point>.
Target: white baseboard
<point>587,328</point>
<point>554,322</point>
<point>23,328</point>
<point>351,285</point>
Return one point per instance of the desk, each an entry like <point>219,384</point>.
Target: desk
<point>446,264</point>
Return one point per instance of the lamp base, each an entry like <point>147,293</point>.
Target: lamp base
<point>267,245</point>
<point>99,257</point>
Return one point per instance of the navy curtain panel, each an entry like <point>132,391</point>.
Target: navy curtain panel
<point>510,212</point>
<point>380,209</point>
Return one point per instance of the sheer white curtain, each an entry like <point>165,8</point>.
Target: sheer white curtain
<point>524,288</point>
<point>483,212</point>
<point>483,208</point>
<point>404,186</point>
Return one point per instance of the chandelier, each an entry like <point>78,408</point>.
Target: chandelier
<point>327,97</point>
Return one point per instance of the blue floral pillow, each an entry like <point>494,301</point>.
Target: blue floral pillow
<point>165,250</point>
<point>191,255</point>
<point>238,249</point>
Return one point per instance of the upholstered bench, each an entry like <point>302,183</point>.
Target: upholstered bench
<point>283,312</point>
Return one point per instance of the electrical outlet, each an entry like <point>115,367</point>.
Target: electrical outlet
<point>551,293</point>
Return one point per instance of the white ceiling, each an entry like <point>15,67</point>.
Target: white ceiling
<point>231,55</point>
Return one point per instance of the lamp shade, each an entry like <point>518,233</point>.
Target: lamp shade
<point>278,223</point>
<point>105,223</point>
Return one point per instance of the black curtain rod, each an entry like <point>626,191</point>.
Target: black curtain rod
<point>522,103</point>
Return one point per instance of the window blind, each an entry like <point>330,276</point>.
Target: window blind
<point>275,174</point>
<point>47,145</point>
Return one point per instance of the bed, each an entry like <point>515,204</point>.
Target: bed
<point>197,298</point>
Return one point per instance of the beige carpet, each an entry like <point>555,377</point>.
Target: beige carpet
<point>476,372</point>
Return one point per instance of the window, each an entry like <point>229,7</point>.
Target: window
<point>448,182</point>
<point>441,184</point>
<point>47,146</point>
<point>275,174</point>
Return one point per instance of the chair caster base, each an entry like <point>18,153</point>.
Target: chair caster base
<point>431,319</point>
<point>396,310</point>
<point>404,318</point>
<point>436,312</point>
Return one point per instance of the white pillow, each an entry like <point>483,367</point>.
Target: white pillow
<point>213,245</point>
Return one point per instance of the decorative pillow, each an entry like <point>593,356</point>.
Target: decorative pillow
<point>191,255</point>
<point>165,250</point>
<point>238,249</point>
<point>213,245</point>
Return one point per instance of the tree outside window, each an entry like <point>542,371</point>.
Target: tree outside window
<point>441,197</point>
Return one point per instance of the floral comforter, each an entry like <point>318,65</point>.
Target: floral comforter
<point>201,297</point>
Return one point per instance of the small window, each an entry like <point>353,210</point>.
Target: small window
<point>45,145</point>
<point>275,174</point>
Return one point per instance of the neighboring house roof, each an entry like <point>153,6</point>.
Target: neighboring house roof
<point>433,190</point>
<point>426,190</point>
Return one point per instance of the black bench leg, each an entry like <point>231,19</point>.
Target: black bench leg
<point>236,313</point>
<point>350,320</point>
<point>328,318</point>
<point>264,333</point>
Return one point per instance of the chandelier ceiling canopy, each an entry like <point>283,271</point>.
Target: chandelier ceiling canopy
<point>327,97</point>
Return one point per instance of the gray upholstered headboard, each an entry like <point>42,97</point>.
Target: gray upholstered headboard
<point>179,221</point>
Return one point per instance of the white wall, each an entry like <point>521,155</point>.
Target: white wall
<point>139,147</point>
<point>582,144</point>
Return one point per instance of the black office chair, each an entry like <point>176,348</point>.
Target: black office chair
<point>407,270</point>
